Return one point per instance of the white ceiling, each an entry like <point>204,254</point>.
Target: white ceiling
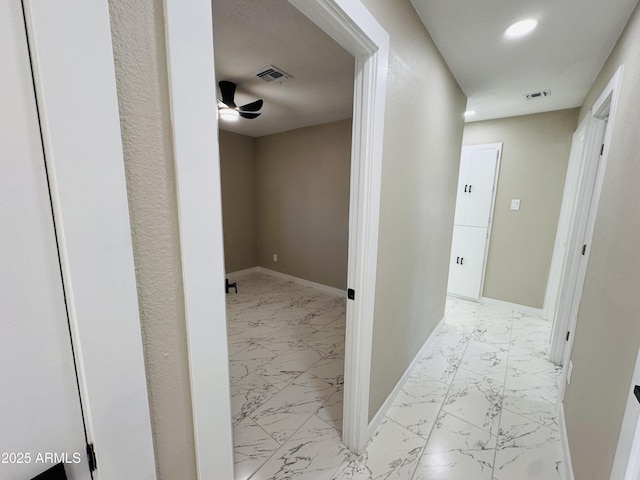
<point>251,34</point>
<point>564,54</point>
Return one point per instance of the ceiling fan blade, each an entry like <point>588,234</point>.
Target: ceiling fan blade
<point>249,115</point>
<point>228,91</point>
<point>251,107</point>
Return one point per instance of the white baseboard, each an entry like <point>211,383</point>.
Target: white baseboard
<point>239,273</point>
<point>301,281</point>
<point>513,306</point>
<point>564,440</point>
<point>375,422</point>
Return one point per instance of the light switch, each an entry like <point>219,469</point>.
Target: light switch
<point>515,204</point>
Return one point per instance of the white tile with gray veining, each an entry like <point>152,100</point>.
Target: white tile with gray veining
<point>527,450</point>
<point>457,450</point>
<point>418,404</point>
<point>475,399</point>
<point>331,410</point>
<point>391,454</point>
<point>441,361</point>
<point>287,410</point>
<point>313,452</point>
<point>480,403</point>
<point>488,360</point>
<point>252,447</point>
<point>248,394</point>
<point>532,396</point>
<point>286,367</point>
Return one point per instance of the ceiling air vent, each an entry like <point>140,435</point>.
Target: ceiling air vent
<point>272,74</point>
<point>537,95</point>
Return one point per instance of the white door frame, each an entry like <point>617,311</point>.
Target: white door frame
<point>626,463</point>
<point>567,211</point>
<point>72,60</point>
<point>350,24</point>
<point>601,123</point>
<point>195,124</point>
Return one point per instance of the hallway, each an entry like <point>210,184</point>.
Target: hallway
<point>480,403</point>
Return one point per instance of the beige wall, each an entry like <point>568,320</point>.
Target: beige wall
<point>238,176</point>
<point>535,154</point>
<point>608,331</point>
<point>303,202</point>
<point>141,74</point>
<point>422,140</point>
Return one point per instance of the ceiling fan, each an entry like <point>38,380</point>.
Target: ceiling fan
<point>227,108</point>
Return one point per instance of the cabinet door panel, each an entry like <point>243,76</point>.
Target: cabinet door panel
<point>481,180</point>
<point>467,261</point>
<point>463,186</point>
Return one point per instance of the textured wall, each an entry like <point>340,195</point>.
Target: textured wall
<point>303,202</point>
<point>238,176</point>
<point>422,141</point>
<point>141,74</point>
<point>608,331</point>
<point>535,154</point>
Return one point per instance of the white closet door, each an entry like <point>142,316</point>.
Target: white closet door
<point>39,405</point>
<point>482,173</point>
<point>463,187</point>
<point>467,261</point>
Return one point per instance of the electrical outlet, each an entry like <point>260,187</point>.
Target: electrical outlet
<point>275,257</point>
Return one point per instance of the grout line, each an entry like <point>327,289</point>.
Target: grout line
<point>504,391</point>
<point>428,437</point>
<point>426,440</point>
<point>531,420</point>
<point>270,456</point>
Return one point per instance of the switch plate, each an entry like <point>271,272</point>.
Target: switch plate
<point>275,257</point>
<point>515,204</point>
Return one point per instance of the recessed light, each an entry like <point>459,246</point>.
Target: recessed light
<point>521,28</point>
<point>469,113</point>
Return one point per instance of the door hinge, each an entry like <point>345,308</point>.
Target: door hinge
<point>91,457</point>
<point>351,294</point>
<point>584,249</point>
<point>568,336</point>
<point>602,150</point>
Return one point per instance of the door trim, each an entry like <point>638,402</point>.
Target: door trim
<point>567,211</point>
<point>584,219</point>
<point>85,167</point>
<point>350,24</point>
<point>195,124</point>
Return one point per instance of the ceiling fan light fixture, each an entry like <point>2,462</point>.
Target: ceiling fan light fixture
<point>521,28</point>
<point>229,114</point>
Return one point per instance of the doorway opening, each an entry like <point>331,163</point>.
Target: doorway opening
<point>285,179</point>
<point>575,231</point>
<point>190,53</point>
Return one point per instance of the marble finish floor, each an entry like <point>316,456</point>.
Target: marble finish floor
<point>480,403</point>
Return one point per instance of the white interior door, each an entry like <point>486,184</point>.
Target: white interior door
<point>467,260</point>
<point>40,409</point>
<point>482,171</point>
